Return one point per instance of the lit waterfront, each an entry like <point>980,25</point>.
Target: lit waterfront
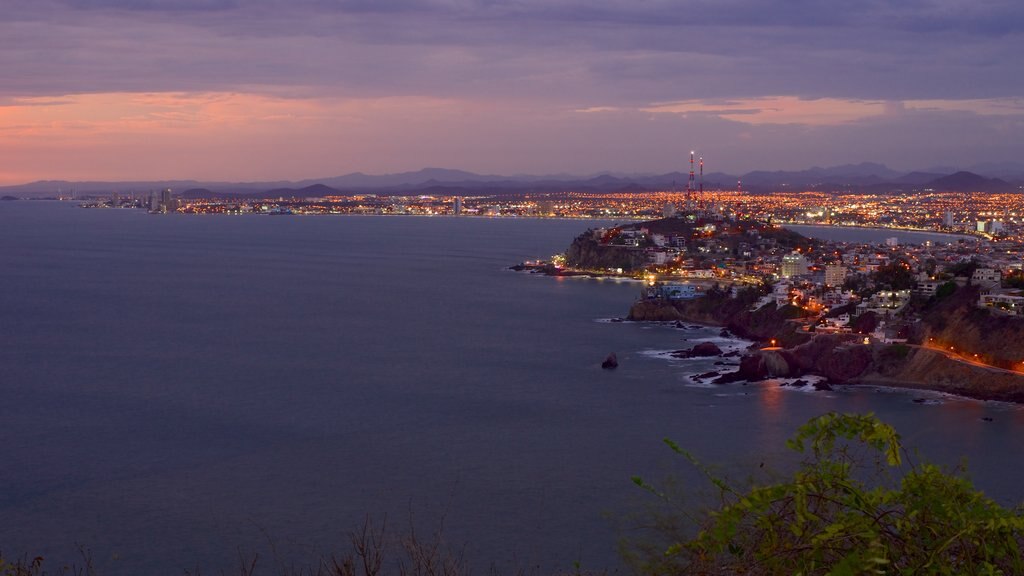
<point>999,215</point>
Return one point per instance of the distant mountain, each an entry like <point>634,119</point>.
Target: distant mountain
<point>969,182</point>
<point>917,178</point>
<point>863,174</point>
<point>358,180</point>
<point>862,170</point>
<point>193,193</point>
<point>1013,171</point>
<point>311,191</point>
<point>866,176</point>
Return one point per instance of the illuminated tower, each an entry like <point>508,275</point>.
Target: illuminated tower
<point>689,184</point>
<point>165,200</point>
<point>700,195</point>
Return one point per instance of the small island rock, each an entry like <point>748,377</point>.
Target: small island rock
<point>705,349</point>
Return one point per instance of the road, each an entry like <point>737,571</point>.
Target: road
<point>952,355</point>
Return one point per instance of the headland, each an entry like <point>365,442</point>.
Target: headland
<point>941,318</point>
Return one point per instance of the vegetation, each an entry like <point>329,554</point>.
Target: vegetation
<point>896,275</point>
<point>945,290</point>
<point>1015,280</point>
<point>963,268</point>
<point>854,506</point>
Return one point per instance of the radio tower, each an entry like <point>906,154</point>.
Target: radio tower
<point>700,195</point>
<point>689,183</point>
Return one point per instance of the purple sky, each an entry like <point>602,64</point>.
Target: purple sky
<point>288,89</point>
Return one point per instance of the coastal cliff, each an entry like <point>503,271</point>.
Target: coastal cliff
<point>925,369</point>
<point>717,308</point>
<point>956,321</point>
<point>587,253</point>
<point>845,359</point>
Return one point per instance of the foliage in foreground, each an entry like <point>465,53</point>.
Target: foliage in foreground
<point>853,507</point>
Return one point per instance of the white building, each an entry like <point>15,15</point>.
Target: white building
<point>1003,302</point>
<point>793,264</point>
<point>987,277</point>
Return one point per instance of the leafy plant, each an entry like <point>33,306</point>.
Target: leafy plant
<point>854,506</point>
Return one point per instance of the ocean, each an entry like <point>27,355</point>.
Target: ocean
<point>877,235</point>
<point>179,390</point>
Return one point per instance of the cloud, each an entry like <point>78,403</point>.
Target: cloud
<point>633,52</point>
<point>584,81</point>
<point>238,136</point>
<point>827,111</point>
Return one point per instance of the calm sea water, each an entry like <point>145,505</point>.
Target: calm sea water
<point>177,389</point>
<point>877,235</point>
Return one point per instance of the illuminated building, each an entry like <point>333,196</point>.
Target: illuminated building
<point>793,264</point>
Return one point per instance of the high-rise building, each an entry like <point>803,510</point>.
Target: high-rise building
<point>793,264</point>
<point>458,205</point>
<point>166,202</point>
<point>835,275</point>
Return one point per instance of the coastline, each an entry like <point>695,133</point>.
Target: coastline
<point>917,231</point>
<point>842,360</point>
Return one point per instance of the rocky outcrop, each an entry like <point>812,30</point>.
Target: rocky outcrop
<point>656,311</point>
<point>843,361</point>
<point>954,320</point>
<point>702,350</point>
<point>719,310</point>
<point>839,360</point>
<point>760,365</point>
<point>586,253</point>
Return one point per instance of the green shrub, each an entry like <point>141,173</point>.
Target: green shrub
<point>853,507</point>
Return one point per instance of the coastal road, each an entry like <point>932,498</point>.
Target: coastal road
<point>952,355</point>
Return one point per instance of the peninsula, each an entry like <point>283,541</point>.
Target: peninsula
<point>936,317</point>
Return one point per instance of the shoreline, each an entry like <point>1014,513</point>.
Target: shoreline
<point>957,235</point>
<point>840,360</point>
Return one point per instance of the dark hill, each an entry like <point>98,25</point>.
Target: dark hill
<point>969,182</point>
<point>193,193</point>
<point>312,191</point>
<point>917,178</point>
<point>319,190</point>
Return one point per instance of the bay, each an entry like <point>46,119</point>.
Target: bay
<point>867,235</point>
<point>177,390</point>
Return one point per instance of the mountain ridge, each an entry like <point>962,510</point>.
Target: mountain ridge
<point>866,176</point>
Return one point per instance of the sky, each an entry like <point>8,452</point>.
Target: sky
<point>240,90</point>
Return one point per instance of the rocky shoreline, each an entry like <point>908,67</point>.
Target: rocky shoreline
<point>838,359</point>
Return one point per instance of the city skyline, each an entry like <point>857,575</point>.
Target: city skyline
<point>226,90</point>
